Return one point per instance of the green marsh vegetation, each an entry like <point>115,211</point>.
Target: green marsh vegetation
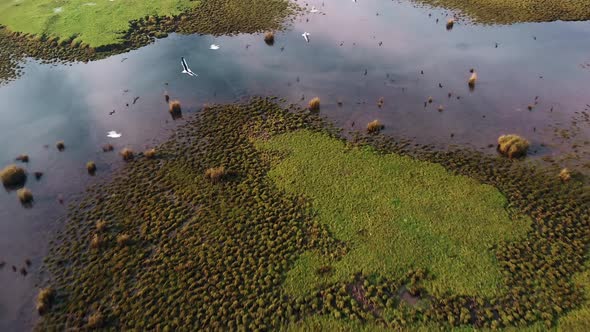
<point>96,23</point>
<point>395,214</point>
<point>208,255</point>
<point>516,11</point>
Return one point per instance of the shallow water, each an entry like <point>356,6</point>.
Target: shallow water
<point>72,103</point>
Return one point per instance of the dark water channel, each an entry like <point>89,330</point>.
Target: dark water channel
<point>344,61</point>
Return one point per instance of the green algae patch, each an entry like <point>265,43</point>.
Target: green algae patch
<point>165,246</point>
<point>396,214</point>
<point>516,11</point>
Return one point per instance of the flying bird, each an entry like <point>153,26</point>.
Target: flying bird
<point>214,47</point>
<point>113,134</point>
<point>186,69</point>
<point>314,10</point>
<point>306,36</point>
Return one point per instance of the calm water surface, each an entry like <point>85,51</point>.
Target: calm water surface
<point>533,62</point>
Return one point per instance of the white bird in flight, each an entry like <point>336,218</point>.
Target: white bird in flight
<point>214,47</point>
<point>113,134</point>
<point>186,69</point>
<point>313,10</point>
<point>306,36</point>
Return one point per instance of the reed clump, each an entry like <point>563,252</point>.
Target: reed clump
<point>123,239</point>
<point>107,148</point>
<point>95,320</point>
<point>44,299</point>
<point>512,146</point>
<point>96,241</point>
<point>24,195</point>
<point>374,127</point>
<point>91,167</point>
<point>450,23</point>
<point>565,175</point>
<point>215,174</point>
<point>13,175</point>
<point>269,38</point>
<point>150,154</point>
<point>101,225</point>
<point>314,104</point>
<point>175,109</point>
<point>127,154</point>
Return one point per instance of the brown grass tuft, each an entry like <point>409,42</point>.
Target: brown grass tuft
<point>24,195</point>
<point>91,167</point>
<point>150,154</point>
<point>107,148</point>
<point>13,175</point>
<point>269,38</point>
<point>101,225</point>
<point>314,104</point>
<point>215,174</point>
<point>512,146</point>
<point>450,23</point>
<point>374,127</point>
<point>44,299</point>
<point>123,239</point>
<point>127,154</point>
<point>96,241</point>
<point>472,79</point>
<point>175,109</point>
<point>565,175</point>
<point>60,145</point>
<point>95,321</point>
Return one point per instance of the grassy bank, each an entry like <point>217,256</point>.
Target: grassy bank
<point>96,23</point>
<point>396,214</point>
<point>206,233</point>
<point>516,11</point>
<point>86,31</point>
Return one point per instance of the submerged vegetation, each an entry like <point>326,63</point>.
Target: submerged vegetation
<point>223,255</point>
